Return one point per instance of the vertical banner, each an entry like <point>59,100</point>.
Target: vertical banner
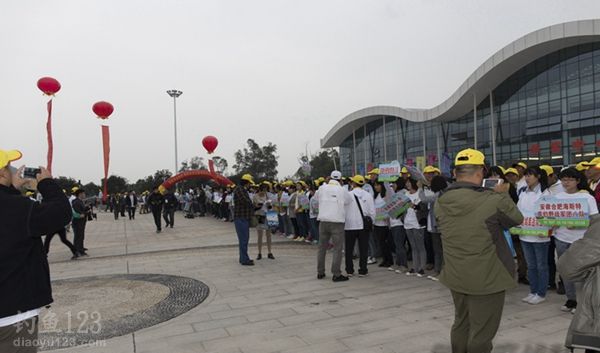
<point>49,135</point>
<point>106,149</point>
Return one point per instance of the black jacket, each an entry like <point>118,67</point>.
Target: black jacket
<point>170,201</point>
<point>24,270</point>
<point>156,200</point>
<point>128,201</point>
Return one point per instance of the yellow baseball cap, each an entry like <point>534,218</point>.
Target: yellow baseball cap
<point>248,177</point>
<point>404,170</point>
<point>469,157</point>
<point>594,162</point>
<point>359,179</point>
<point>521,164</point>
<point>430,169</point>
<point>374,171</point>
<point>29,193</point>
<point>9,156</point>
<point>581,166</point>
<point>548,169</point>
<point>511,170</point>
<point>74,189</point>
<point>502,169</point>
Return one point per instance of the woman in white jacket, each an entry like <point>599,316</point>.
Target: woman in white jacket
<point>355,228</point>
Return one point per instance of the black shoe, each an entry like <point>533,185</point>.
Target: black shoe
<point>340,278</point>
<point>383,264</point>
<point>171,226</point>
<point>569,306</point>
<point>249,263</point>
<point>83,253</point>
<point>363,274</point>
<point>259,257</point>
<point>523,280</point>
<point>158,231</point>
<point>270,256</point>
<point>320,276</point>
<point>75,256</point>
<point>561,288</point>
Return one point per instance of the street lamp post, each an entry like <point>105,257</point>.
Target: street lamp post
<point>175,94</point>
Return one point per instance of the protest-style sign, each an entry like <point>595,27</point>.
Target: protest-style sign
<point>303,201</point>
<point>415,173</point>
<point>531,226</point>
<point>284,201</point>
<point>389,172</point>
<point>397,205</point>
<point>554,211</point>
<point>272,219</point>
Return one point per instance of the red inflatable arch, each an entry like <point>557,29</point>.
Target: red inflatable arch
<point>195,174</point>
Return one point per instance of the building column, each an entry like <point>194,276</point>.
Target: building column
<point>492,126</point>
<point>398,122</point>
<point>437,142</point>
<point>354,151</point>
<point>474,121</point>
<point>384,142</point>
<point>368,146</point>
<point>424,143</point>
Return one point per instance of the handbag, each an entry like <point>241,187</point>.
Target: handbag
<point>367,221</point>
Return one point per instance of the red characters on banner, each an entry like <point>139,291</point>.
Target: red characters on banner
<point>555,146</point>
<point>534,149</point>
<point>103,109</point>
<point>48,85</point>
<point>210,143</point>
<point>578,144</point>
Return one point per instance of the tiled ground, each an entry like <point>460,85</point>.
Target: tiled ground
<point>280,306</point>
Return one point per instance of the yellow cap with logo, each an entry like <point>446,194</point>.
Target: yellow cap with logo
<point>359,179</point>
<point>430,169</point>
<point>404,170</point>
<point>581,166</point>
<point>511,170</point>
<point>521,164</point>
<point>374,171</point>
<point>9,156</point>
<point>469,157</point>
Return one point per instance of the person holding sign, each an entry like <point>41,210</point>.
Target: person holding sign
<point>576,190</point>
<point>534,237</point>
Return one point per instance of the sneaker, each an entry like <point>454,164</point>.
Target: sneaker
<point>362,274</point>
<point>401,270</point>
<point>300,239</point>
<point>528,298</point>
<point>340,278</point>
<point>307,240</point>
<point>315,242</point>
<point>320,276</point>
<point>573,311</point>
<point>391,268</point>
<point>350,274</point>
<point>259,257</point>
<point>411,272</point>
<point>371,260</point>
<point>434,278</point>
<point>569,306</point>
<point>270,256</point>
<point>421,274</point>
<point>290,236</point>
<point>249,263</point>
<point>536,300</point>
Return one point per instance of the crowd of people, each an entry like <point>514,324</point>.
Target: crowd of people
<point>463,231</point>
<point>459,230</point>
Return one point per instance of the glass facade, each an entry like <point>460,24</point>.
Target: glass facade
<point>548,112</point>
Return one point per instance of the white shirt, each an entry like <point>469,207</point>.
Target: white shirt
<point>368,188</point>
<point>411,221</point>
<point>527,200</point>
<point>554,189</point>
<point>354,219</point>
<point>332,199</point>
<point>11,320</point>
<point>571,235</point>
<point>521,184</point>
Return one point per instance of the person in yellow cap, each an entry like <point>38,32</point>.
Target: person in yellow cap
<point>155,201</point>
<point>25,287</point>
<point>581,167</point>
<point>355,227</point>
<point>370,180</point>
<point>478,263</point>
<point>429,172</point>
<point>243,210</point>
<point>554,184</point>
<point>520,167</point>
<point>512,176</point>
<point>404,174</point>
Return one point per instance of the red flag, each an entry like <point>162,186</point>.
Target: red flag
<point>106,148</point>
<point>49,134</point>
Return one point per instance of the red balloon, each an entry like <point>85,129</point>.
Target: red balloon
<point>48,85</point>
<point>103,109</point>
<point>210,143</point>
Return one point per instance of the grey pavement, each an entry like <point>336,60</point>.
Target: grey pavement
<point>279,305</point>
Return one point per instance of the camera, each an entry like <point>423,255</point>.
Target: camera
<point>31,173</point>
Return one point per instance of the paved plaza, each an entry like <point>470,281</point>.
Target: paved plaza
<point>276,306</point>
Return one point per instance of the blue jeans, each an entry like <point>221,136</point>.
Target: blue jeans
<point>536,256</point>
<point>399,235</point>
<point>314,229</point>
<point>242,228</point>
<point>561,247</point>
<point>303,227</point>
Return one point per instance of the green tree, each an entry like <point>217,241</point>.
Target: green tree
<point>259,161</point>
<point>220,164</point>
<point>149,182</point>
<point>91,189</point>
<point>193,163</point>
<point>321,164</point>
<point>66,183</point>
<point>116,184</point>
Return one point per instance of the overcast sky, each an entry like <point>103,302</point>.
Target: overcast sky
<point>278,71</point>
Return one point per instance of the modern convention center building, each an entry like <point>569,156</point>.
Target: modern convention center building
<point>537,99</point>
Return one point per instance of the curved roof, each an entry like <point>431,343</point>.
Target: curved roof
<point>489,75</point>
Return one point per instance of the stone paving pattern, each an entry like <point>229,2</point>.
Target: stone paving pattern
<point>279,305</point>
